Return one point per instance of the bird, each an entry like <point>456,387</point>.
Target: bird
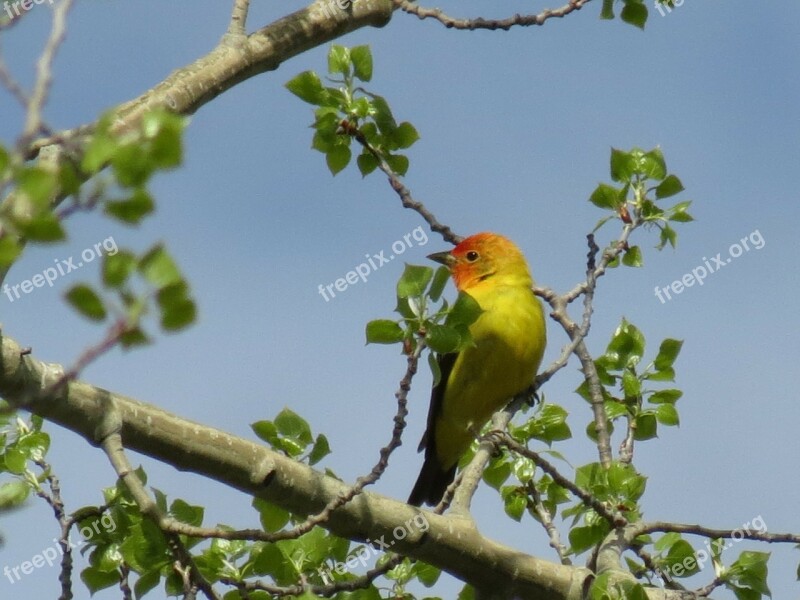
<point>508,337</point>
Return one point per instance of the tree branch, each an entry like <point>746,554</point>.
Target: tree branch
<point>492,24</point>
<point>449,543</point>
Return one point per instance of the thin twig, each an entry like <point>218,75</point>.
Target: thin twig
<point>238,23</point>
<point>44,74</point>
<point>492,24</point>
<point>502,438</point>
<point>405,194</point>
<point>546,519</point>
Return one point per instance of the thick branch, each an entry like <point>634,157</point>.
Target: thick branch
<point>449,543</point>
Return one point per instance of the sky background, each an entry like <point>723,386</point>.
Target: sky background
<point>516,129</point>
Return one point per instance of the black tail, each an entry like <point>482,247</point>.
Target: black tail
<point>431,483</point>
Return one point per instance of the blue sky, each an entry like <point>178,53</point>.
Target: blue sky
<point>516,129</point>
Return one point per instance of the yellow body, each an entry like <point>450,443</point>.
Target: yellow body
<point>509,340</point>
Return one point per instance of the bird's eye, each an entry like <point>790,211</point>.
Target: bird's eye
<point>472,256</point>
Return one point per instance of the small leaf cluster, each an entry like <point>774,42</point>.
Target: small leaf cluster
<point>445,330</point>
<point>131,284</point>
<point>634,12</point>
<point>623,384</point>
<point>134,157</point>
<point>619,488</point>
<point>123,537</point>
<point>674,557</point>
<point>347,110</point>
<point>548,424</point>
<point>21,443</point>
<point>291,435</point>
<point>642,182</point>
<point>30,216</point>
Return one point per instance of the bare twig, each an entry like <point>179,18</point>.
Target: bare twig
<point>405,194</point>
<point>238,23</point>
<point>491,24</point>
<point>113,336</point>
<point>546,519</point>
<point>44,74</point>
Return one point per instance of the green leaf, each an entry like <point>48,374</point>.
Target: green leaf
<point>669,187</point>
<point>414,281</point>
<point>652,163</point>
<point>621,166</point>
<point>131,165</point>
<point>38,184</point>
<point>146,582</point>
<point>497,473</point>
<point>338,157</point>
<point>440,279</point>
<point>4,160</point>
<point>465,311</point>
<point>163,130</point>
<point>515,502</point>
<point>158,268</point>
<point>308,87</point>
<point>427,574</point>
<point>635,14</point>
<point>320,450</point>
<point>668,236</point>
<point>398,163</point>
<point>631,384</point>
<point>118,267</point>
<point>667,374</point>
<point>361,56</point>
<point>633,257</point>
<point>605,196</point>
<point>436,371</point>
<point>665,396</point>
<point>293,426</point>
<point>667,353</point>
<point>178,310</point>
<point>44,227</point>
<point>96,579</point>
<point>443,339</point>
<point>627,345</point>
<point>339,60</point>
<point>667,414</point>
<point>187,513</point>
<point>607,12</point>
<point>383,115</point>
<point>266,430</point>
<point>581,538</point>
<point>87,302</point>
<point>367,163</point>
<point>133,209</point>
<point>9,250</point>
<point>14,493</point>
<point>646,427</point>
<point>405,135</point>
<point>273,518</point>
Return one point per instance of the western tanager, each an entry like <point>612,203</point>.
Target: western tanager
<point>509,340</point>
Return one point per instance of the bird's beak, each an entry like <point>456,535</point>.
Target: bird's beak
<point>444,258</point>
